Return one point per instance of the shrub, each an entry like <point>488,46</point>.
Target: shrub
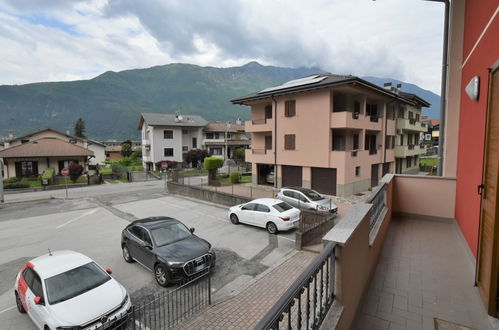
<point>11,180</point>
<point>235,177</point>
<point>48,174</point>
<point>239,154</point>
<point>137,153</point>
<point>16,185</point>
<point>212,164</point>
<point>75,170</point>
<point>194,156</point>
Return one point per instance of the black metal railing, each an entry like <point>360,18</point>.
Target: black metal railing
<point>305,304</point>
<point>374,119</point>
<point>410,146</point>
<point>165,310</point>
<point>378,199</point>
<point>355,115</point>
<point>354,152</point>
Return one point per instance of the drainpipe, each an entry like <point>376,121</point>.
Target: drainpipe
<point>443,89</point>
<point>1,182</point>
<point>275,140</point>
<point>386,133</point>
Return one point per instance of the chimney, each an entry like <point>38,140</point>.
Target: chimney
<point>387,85</point>
<point>11,135</point>
<point>399,87</point>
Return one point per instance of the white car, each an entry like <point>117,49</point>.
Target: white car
<point>67,290</point>
<point>273,214</point>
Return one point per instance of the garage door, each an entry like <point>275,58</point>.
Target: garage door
<point>324,180</point>
<point>291,176</point>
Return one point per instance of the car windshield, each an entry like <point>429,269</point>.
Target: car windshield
<point>75,282</point>
<point>313,195</point>
<point>281,207</point>
<point>170,233</point>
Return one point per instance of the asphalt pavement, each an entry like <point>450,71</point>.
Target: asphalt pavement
<point>91,220</point>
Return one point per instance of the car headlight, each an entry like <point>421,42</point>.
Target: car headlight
<point>322,207</point>
<point>175,263</point>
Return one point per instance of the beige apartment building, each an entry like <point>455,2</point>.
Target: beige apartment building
<point>332,133</point>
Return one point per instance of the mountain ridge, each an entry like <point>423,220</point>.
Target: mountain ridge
<point>111,102</point>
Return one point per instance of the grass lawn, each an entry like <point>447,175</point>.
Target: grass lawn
<point>244,179</point>
<point>427,161</point>
<point>105,170</point>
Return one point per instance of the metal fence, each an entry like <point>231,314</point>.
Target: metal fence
<point>378,199</point>
<point>168,309</point>
<point>306,303</point>
<point>312,219</point>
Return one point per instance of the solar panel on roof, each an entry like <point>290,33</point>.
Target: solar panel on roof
<point>297,82</point>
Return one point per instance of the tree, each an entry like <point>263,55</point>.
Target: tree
<point>126,148</point>
<point>239,154</point>
<point>79,130</point>
<point>195,155</point>
<point>75,170</point>
<point>212,164</point>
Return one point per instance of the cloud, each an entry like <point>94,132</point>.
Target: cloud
<point>386,38</point>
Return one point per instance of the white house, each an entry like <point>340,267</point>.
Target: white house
<point>166,137</point>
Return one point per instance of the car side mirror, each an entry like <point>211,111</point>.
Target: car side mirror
<point>192,230</point>
<point>109,271</point>
<point>38,300</point>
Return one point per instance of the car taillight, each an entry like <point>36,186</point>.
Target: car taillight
<point>284,219</point>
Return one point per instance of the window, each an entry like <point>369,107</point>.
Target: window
<point>408,161</point>
<point>216,151</point>
<point>268,142</point>
<point>289,142</point>
<point>288,193</point>
<point>185,148</point>
<point>249,207</point>
<point>417,117</point>
<point>401,140</point>
<point>301,198</point>
<point>37,286</point>
<point>28,276</point>
<point>268,111</point>
<point>184,131</point>
<point>209,135</point>
<point>401,112</point>
<point>357,171</point>
<point>26,169</point>
<point>290,108</point>
<point>168,152</point>
<point>262,208</point>
<point>338,141</point>
<point>168,134</point>
<point>372,110</point>
<point>282,207</point>
<point>355,141</point>
<point>135,231</point>
<point>194,143</point>
<point>390,142</point>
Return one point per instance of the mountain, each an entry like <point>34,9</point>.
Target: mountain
<point>111,103</point>
<point>432,112</point>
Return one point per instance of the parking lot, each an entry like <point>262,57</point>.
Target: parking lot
<point>91,224</point>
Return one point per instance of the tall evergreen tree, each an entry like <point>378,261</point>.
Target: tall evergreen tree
<point>79,130</point>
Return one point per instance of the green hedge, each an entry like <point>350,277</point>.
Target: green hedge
<point>212,163</point>
<point>235,177</point>
<point>11,180</point>
<point>16,185</point>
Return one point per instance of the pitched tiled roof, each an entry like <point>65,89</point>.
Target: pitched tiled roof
<point>163,119</point>
<point>221,127</point>
<point>45,147</point>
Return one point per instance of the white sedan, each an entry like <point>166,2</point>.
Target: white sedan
<point>67,290</point>
<point>273,214</point>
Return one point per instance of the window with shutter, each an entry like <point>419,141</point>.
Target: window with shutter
<point>290,108</point>
<point>289,142</point>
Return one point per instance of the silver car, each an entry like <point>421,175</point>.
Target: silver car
<point>307,199</point>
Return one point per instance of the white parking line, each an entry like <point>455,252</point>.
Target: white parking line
<point>7,309</point>
<point>289,239</point>
<point>77,218</point>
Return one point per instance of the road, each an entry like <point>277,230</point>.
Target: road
<point>91,220</point>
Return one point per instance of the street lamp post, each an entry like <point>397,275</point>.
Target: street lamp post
<point>1,182</point>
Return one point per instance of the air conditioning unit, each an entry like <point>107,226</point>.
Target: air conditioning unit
<point>399,131</point>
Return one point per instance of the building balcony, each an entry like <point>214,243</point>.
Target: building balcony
<point>409,150</point>
<point>259,125</point>
<point>259,155</point>
<point>396,261</point>
<point>347,119</point>
<point>411,125</point>
<point>357,157</point>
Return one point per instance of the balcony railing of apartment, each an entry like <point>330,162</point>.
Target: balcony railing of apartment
<point>412,121</point>
<point>378,199</point>
<point>306,303</point>
<point>355,115</point>
<point>411,146</point>
<point>374,119</point>
<point>258,151</point>
<point>354,152</point>
<point>373,151</point>
<point>259,121</point>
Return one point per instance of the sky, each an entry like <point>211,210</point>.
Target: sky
<point>60,40</point>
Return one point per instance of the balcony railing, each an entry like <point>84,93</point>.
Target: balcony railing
<point>354,152</point>
<point>374,119</point>
<point>259,121</point>
<point>411,146</point>
<point>378,199</point>
<point>305,304</point>
<point>258,151</point>
<point>355,115</point>
<point>412,121</point>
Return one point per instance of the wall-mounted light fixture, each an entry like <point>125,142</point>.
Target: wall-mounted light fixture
<point>473,88</point>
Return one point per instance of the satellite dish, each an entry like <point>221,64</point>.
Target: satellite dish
<point>180,118</point>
